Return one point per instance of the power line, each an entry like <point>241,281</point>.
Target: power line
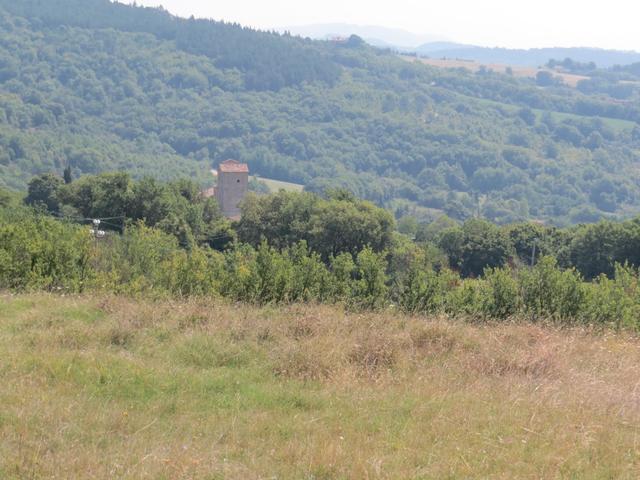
<point>102,222</point>
<point>69,217</point>
<point>121,217</point>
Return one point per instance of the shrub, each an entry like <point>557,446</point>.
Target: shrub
<point>465,300</point>
<point>342,270</point>
<point>41,253</point>
<point>502,298</point>
<point>137,260</point>
<point>425,290</point>
<point>239,278</point>
<point>310,278</point>
<point>615,302</point>
<point>550,292</point>
<point>370,289</point>
<point>187,273</point>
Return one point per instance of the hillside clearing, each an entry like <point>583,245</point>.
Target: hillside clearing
<point>114,388</point>
<point>276,185</point>
<point>615,124</point>
<point>569,79</point>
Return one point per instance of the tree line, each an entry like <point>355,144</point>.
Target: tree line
<point>41,253</point>
<point>300,247</point>
<point>333,223</point>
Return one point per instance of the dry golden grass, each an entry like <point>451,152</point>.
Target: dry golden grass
<point>113,388</point>
<point>570,79</point>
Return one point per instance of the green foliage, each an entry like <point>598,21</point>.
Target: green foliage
<point>239,274</point>
<point>100,196</point>
<point>408,225</point>
<point>282,218</point>
<point>349,226</point>
<point>342,269</point>
<point>311,281</point>
<point>267,275</point>
<point>545,79</point>
<point>67,176</point>
<point>370,287</point>
<point>502,299</point>
<point>425,290</point>
<point>531,241</point>
<point>6,198</point>
<point>330,227</point>
<point>43,192</point>
<point>176,208</point>
<point>475,246</point>
<point>549,292</point>
<point>615,302</point>
<point>595,249</point>
<point>429,232</point>
<point>252,52</point>
<point>273,275</point>
<point>38,252</point>
<point>137,260</point>
<point>467,300</point>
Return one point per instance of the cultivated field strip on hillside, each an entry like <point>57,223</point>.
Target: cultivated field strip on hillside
<point>515,70</point>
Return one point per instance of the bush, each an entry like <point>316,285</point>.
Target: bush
<point>550,292</point>
<point>41,253</point>
<point>466,300</point>
<point>136,261</point>
<point>189,273</point>
<point>425,291</point>
<point>615,302</point>
<point>370,287</point>
<point>310,278</point>
<point>502,298</point>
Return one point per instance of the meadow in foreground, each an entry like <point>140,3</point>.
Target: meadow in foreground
<point>106,387</point>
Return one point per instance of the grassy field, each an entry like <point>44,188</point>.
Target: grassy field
<point>569,79</point>
<point>276,185</point>
<point>106,387</point>
<point>615,124</point>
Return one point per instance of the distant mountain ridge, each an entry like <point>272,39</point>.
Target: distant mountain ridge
<point>374,35</point>
<point>532,57</point>
<point>436,46</point>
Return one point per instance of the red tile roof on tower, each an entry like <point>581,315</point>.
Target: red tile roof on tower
<point>233,166</point>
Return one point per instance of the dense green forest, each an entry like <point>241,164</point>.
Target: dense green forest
<point>97,86</point>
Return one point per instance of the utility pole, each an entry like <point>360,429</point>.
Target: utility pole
<point>533,252</point>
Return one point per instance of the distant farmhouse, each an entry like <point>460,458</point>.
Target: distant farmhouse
<point>233,184</point>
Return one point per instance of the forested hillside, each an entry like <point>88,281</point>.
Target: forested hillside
<point>100,87</point>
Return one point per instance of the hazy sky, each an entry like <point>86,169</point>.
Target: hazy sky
<point>514,23</point>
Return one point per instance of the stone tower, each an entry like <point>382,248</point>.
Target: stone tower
<point>233,183</point>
